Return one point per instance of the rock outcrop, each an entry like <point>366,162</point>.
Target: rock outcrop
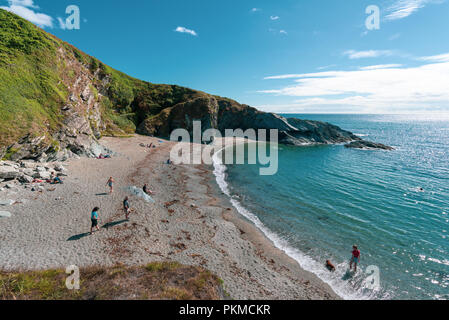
<point>368,145</point>
<point>222,114</point>
<point>316,132</point>
<point>23,173</point>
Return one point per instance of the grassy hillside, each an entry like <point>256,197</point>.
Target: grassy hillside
<point>30,91</point>
<point>34,88</point>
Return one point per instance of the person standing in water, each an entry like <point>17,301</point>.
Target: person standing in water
<point>355,259</point>
<point>126,207</point>
<point>94,219</point>
<point>110,184</point>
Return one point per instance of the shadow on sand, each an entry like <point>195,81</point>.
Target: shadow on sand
<point>78,236</point>
<point>113,224</point>
<point>106,226</point>
<point>102,194</point>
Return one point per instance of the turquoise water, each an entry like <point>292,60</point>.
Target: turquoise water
<point>324,199</point>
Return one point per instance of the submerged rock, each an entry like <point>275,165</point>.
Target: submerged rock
<point>367,145</point>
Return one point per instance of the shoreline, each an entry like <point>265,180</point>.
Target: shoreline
<point>192,223</point>
<point>270,251</point>
<point>255,231</point>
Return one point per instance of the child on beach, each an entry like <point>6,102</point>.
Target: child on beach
<point>126,207</point>
<point>94,219</point>
<point>110,183</point>
<point>355,258</point>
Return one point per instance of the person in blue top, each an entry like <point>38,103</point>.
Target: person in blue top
<point>94,219</point>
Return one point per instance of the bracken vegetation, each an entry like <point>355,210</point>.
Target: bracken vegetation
<point>155,281</point>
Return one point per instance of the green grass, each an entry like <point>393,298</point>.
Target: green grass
<point>42,285</point>
<point>10,153</point>
<point>162,266</point>
<point>30,89</point>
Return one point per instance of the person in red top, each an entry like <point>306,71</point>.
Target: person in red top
<point>355,258</point>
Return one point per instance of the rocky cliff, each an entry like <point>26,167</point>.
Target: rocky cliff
<point>56,102</point>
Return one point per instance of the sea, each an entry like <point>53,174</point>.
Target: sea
<point>394,205</point>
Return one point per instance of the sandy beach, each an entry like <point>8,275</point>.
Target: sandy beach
<point>191,222</point>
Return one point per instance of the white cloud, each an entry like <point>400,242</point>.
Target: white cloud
<point>382,88</point>
<point>274,18</point>
<point>326,67</point>
<point>403,8</point>
<point>437,58</point>
<point>23,3</point>
<point>185,30</point>
<point>394,36</point>
<point>276,31</point>
<point>26,9</point>
<point>381,66</point>
<point>352,54</point>
<point>303,75</point>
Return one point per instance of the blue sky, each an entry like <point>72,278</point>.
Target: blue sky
<point>281,56</point>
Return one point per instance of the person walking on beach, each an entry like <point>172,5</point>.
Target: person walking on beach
<point>94,219</point>
<point>355,258</point>
<point>126,207</point>
<point>110,184</point>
